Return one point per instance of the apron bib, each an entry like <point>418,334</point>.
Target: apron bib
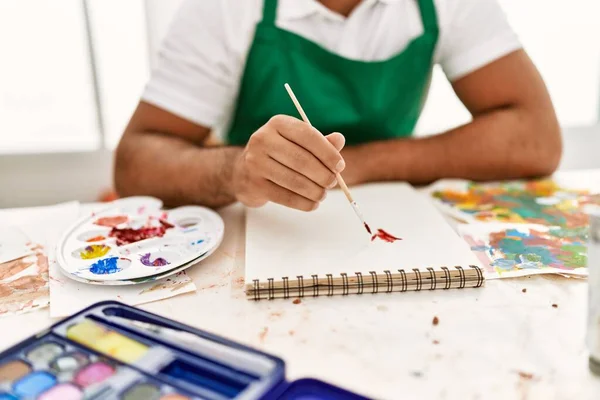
<point>365,101</point>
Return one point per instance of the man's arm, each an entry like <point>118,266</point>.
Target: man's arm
<point>162,155</point>
<point>514,134</point>
<point>286,161</point>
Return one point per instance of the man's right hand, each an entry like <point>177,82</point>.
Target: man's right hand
<point>287,162</point>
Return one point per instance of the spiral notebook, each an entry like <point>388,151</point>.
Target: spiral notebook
<point>328,252</point>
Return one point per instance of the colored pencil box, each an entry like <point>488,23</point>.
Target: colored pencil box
<point>114,351</point>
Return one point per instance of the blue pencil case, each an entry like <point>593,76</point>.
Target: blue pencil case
<point>114,351</point>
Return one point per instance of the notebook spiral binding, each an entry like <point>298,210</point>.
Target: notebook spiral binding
<point>391,282</point>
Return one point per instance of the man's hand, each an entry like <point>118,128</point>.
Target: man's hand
<point>287,162</point>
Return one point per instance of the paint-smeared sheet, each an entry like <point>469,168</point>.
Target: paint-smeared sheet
<point>23,279</point>
<point>511,250</point>
<point>542,202</point>
<point>25,236</point>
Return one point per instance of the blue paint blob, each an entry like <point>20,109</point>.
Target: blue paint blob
<point>516,233</point>
<point>197,242</point>
<point>503,263</point>
<point>34,384</point>
<point>105,266</point>
<point>529,265</point>
<point>6,396</point>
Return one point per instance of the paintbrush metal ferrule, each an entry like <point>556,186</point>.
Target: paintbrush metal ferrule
<point>360,216</point>
<point>357,211</point>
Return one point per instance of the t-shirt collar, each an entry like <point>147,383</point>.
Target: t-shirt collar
<point>298,9</point>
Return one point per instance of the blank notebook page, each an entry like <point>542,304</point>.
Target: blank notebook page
<point>281,242</point>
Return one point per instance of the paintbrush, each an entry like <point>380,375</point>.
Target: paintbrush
<point>339,178</point>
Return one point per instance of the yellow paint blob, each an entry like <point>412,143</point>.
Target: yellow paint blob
<point>93,251</point>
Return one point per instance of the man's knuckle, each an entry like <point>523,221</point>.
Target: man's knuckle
<point>278,119</point>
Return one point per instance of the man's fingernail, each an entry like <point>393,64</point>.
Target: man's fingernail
<point>323,197</point>
<point>339,167</point>
<point>332,184</point>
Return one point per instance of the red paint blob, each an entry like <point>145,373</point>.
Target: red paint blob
<point>112,221</point>
<point>383,235</point>
<point>128,235</point>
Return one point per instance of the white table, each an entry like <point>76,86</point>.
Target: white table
<point>488,340</point>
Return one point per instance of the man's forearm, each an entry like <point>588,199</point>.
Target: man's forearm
<point>508,143</point>
<point>174,170</point>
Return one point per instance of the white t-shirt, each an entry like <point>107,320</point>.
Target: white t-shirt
<point>202,59</point>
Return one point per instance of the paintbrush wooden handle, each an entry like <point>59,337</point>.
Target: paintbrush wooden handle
<point>344,187</point>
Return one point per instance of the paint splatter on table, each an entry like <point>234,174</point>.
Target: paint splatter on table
<point>509,250</point>
<point>541,202</point>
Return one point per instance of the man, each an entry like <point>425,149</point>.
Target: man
<point>361,68</point>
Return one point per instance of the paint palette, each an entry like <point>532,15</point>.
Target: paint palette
<point>134,240</point>
<point>114,351</point>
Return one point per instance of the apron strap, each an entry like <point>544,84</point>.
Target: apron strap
<point>428,15</point>
<point>269,12</point>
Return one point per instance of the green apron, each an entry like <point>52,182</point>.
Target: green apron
<point>365,101</point>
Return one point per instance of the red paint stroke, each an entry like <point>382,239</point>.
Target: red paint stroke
<point>368,229</point>
<point>111,222</point>
<point>386,237</point>
<point>128,235</point>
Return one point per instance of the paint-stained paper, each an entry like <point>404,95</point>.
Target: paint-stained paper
<point>511,250</point>
<point>25,236</point>
<point>542,202</point>
<point>24,277</point>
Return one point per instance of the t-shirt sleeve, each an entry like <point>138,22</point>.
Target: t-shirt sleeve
<point>473,33</point>
<point>195,76</point>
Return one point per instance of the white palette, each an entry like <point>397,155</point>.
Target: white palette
<point>133,240</point>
